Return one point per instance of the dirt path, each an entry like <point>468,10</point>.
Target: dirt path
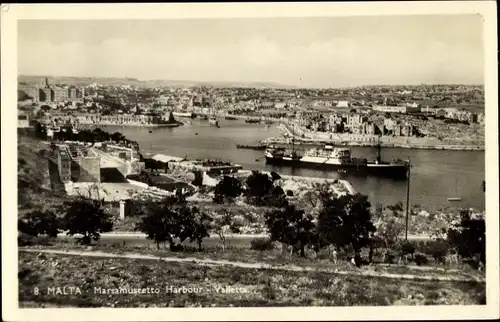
<point>212,262</point>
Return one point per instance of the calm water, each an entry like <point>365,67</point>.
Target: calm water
<point>435,175</point>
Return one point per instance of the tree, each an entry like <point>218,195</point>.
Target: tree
<point>468,236</point>
<point>258,184</point>
<point>39,130</point>
<point>195,225</point>
<point>276,198</point>
<point>229,188</point>
<point>291,226</point>
<point>86,217</point>
<point>390,225</point>
<point>39,223</point>
<point>223,224</point>
<point>275,176</point>
<point>117,137</point>
<point>160,221</point>
<point>346,220</point>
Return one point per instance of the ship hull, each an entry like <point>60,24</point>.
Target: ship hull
<point>395,171</point>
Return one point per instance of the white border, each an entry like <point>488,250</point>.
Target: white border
<point>9,17</point>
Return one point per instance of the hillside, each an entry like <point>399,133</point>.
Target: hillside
<point>34,184</point>
<point>28,79</point>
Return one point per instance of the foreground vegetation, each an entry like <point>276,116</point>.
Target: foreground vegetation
<point>257,287</point>
<point>302,232</point>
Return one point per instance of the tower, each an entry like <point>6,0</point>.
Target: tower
<point>44,82</point>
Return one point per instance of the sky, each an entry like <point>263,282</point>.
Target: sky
<point>304,52</point>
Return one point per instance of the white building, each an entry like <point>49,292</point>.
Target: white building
<point>343,104</point>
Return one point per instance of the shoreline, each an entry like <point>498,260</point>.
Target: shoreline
<point>301,141</point>
<point>134,125</point>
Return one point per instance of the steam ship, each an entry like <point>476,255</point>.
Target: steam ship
<point>337,159</point>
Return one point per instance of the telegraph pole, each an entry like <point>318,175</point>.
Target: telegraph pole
<point>407,199</point>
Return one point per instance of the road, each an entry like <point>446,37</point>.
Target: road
<point>232,240</point>
<point>210,262</point>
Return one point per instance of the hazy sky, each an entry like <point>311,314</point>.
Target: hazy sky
<point>306,52</point>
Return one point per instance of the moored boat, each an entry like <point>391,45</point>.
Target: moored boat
<point>339,159</point>
<point>183,114</point>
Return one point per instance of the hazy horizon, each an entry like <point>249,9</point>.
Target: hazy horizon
<point>302,52</point>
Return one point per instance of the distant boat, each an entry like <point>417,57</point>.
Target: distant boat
<point>455,198</point>
<point>150,131</point>
<point>183,114</point>
<point>252,120</point>
<point>213,122</point>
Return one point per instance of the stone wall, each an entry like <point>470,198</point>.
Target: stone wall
<point>86,170</point>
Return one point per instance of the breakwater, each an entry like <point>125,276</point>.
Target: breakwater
<point>251,146</point>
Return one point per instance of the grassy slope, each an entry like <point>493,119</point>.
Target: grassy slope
<point>262,287</point>
<point>35,181</point>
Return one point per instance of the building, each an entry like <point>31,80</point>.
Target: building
<point>343,104</point>
<point>23,120</point>
<point>72,93</point>
<point>44,82</point>
<point>60,94</point>
<point>407,130</point>
<point>46,95</point>
<point>78,163</point>
<point>33,92</point>
<point>396,109</point>
<point>389,109</point>
<point>389,124</point>
<point>64,165</point>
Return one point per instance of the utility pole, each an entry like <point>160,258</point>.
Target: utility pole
<point>408,199</point>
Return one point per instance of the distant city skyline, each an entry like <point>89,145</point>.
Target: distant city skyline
<point>302,52</point>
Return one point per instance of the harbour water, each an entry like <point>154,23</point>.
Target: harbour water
<point>436,175</point>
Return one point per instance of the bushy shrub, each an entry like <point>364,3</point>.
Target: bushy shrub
<point>218,198</point>
<point>405,247</point>
<point>420,259</point>
<point>39,223</point>
<point>390,257</point>
<point>438,249</point>
<point>261,244</point>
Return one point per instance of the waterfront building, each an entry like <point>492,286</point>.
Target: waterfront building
<point>407,130</point>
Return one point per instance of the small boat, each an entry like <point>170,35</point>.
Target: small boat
<point>196,133</point>
<point>456,193</point>
<point>150,131</point>
<point>213,122</point>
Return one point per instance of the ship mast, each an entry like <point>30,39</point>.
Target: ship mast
<point>378,150</point>
<point>407,197</point>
